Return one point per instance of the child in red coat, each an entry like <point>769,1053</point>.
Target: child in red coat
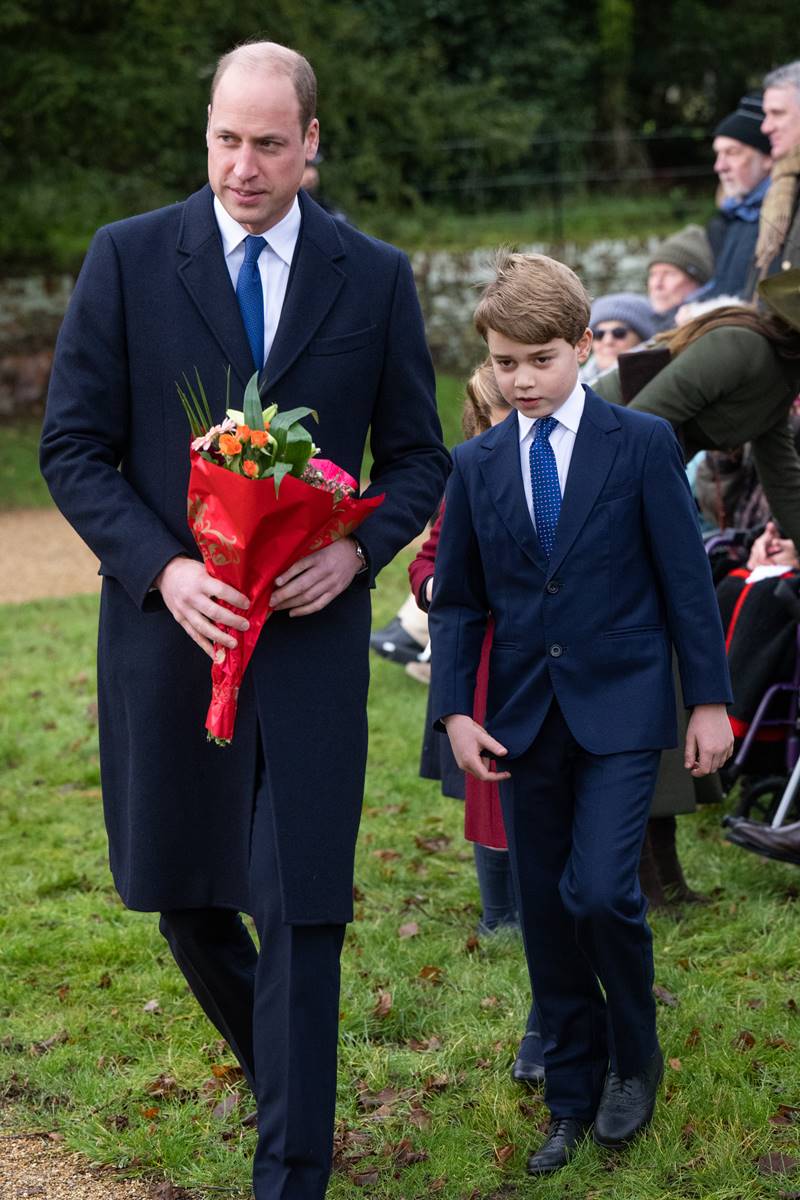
<point>484,406</point>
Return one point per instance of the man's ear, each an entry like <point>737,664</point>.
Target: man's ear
<point>208,123</point>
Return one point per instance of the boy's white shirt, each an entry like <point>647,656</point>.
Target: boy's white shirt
<point>562,439</point>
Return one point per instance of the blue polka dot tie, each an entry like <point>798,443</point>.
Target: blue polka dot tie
<point>251,297</point>
<point>544,484</point>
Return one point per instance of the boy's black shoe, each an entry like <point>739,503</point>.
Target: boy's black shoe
<point>626,1105</point>
<point>563,1136</point>
<point>394,643</point>
<point>529,1064</point>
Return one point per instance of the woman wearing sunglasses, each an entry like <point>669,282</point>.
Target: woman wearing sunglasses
<point>619,321</point>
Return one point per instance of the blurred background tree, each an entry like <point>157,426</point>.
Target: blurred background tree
<point>454,103</point>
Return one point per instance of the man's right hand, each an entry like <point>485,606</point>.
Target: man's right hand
<point>467,739</point>
<point>191,595</point>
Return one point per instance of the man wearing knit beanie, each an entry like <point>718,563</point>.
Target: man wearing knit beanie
<point>677,272</point>
<point>778,245</point>
<point>742,161</point>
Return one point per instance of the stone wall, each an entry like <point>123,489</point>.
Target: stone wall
<point>31,310</point>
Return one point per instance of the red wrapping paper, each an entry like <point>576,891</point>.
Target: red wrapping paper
<point>247,536</point>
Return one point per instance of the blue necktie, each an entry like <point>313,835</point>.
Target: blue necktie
<point>251,297</point>
<point>544,484</point>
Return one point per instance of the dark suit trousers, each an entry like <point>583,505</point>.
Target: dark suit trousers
<point>575,823</point>
<point>278,1009</point>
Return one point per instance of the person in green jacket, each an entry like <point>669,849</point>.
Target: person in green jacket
<point>733,377</point>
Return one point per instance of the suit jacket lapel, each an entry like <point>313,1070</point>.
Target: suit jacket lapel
<point>500,466</point>
<point>592,456</point>
<point>202,270</point>
<point>314,284</point>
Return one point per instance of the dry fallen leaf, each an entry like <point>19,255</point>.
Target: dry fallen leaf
<point>409,930</point>
<point>489,1002</point>
<point>152,1006</point>
<point>421,1046</point>
<point>104,981</point>
<point>386,855</point>
<point>227,1072</point>
<point>665,997</point>
<point>754,1003</point>
<point>675,1064</point>
<point>503,1154</point>
<point>56,1040</point>
<point>744,1040</point>
<point>777,1163</point>
<point>693,1037</point>
<point>419,1117</point>
<point>472,944</point>
<point>383,1004</point>
<point>225,1106</point>
<point>431,973</point>
<point>433,845</point>
<point>164,1086</point>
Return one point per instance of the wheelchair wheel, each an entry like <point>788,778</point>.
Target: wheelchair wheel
<point>759,800</point>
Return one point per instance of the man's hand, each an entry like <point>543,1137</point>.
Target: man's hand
<point>709,740</point>
<point>313,581</point>
<point>191,595</point>
<point>467,739</point>
<point>771,550</point>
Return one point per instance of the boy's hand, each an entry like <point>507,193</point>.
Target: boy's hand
<point>468,738</point>
<point>709,740</point>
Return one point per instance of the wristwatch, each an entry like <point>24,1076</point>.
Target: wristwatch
<point>361,554</point>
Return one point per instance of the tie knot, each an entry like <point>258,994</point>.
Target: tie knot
<point>252,248</point>
<point>545,426</point>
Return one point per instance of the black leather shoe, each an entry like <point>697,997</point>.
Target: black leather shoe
<point>782,843</point>
<point>394,643</point>
<point>529,1064</point>
<point>626,1105</point>
<point>563,1136</point>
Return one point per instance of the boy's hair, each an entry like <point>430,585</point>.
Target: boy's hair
<point>482,395</point>
<point>533,299</point>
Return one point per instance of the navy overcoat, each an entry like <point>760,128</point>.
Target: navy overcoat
<point>154,299</point>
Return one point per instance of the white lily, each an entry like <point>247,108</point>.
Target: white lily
<point>237,415</point>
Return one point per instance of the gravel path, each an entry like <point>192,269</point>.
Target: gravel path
<point>42,556</point>
<point>35,1167</point>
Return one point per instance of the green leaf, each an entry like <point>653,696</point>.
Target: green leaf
<point>283,420</point>
<point>280,470</point>
<point>298,449</point>
<point>253,416</point>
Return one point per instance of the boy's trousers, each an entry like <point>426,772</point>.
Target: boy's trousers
<point>575,823</point>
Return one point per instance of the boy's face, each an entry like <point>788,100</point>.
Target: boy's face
<point>536,380</point>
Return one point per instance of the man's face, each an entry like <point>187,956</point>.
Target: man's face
<point>740,167</point>
<point>536,380</point>
<point>668,286</point>
<point>257,150</point>
<point>781,121</point>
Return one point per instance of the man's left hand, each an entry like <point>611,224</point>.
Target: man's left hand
<point>709,740</point>
<point>312,582</point>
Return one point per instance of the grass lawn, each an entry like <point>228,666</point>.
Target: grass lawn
<point>100,1040</point>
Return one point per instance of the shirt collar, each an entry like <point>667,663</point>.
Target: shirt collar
<point>282,238</point>
<point>569,414</point>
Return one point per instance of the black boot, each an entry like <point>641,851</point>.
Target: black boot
<point>661,832</point>
<point>649,878</point>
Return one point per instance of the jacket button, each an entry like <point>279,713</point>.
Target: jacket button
<point>556,651</point>
<point>552,586</point>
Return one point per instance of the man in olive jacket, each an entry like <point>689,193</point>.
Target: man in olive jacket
<point>730,386</point>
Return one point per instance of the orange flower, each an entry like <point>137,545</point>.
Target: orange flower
<point>229,445</point>
<point>243,433</point>
<point>258,437</point>
<point>250,468</point>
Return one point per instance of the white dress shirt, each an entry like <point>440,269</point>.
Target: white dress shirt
<point>274,261</point>
<point>562,439</point>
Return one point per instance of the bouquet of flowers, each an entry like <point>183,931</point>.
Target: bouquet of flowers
<point>258,501</point>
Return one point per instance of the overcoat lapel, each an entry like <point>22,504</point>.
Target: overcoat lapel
<point>314,284</point>
<point>500,467</point>
<point>592,456</point>
<point>202,269</point>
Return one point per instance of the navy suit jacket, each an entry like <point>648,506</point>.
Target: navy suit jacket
<point>594,626</point>
<point>154,299</point>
